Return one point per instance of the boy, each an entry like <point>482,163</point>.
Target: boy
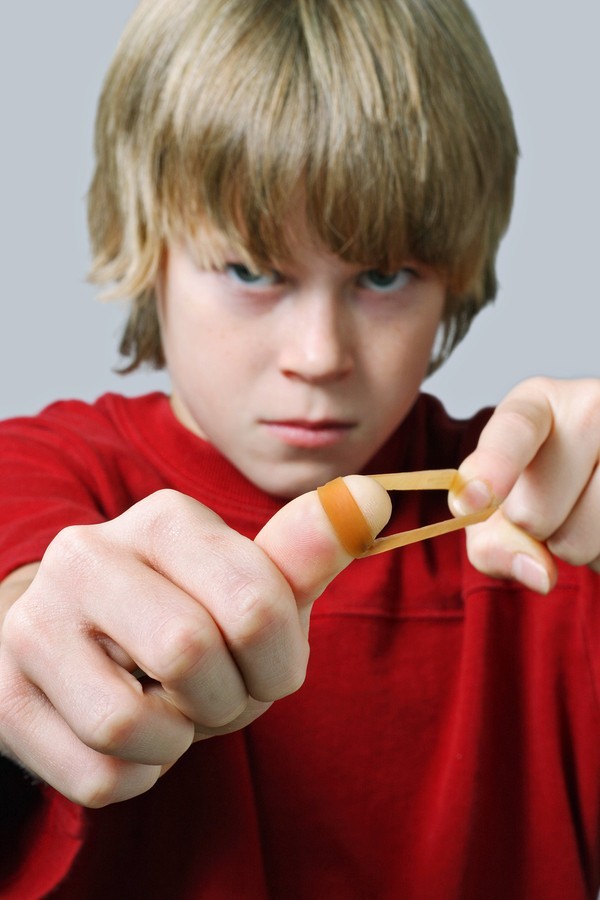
<point>299,198</point>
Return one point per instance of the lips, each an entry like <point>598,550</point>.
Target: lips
<point>308,434</point>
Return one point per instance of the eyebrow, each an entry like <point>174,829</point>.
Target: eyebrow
<point>353,530</point>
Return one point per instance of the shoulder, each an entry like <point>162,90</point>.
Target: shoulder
<point>438,439</point>
<point>75,445</point>
<point>81,422</point>
<point>74,463</point>
<point>108,411</point>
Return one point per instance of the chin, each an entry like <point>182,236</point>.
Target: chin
<point>293,484</point>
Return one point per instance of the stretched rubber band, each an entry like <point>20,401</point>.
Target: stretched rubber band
<point>353,530</point>
<point>346,517</point>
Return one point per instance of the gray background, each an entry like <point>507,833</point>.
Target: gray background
<point>58,340</point>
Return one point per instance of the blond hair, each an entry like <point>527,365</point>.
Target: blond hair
<point>387,117</point>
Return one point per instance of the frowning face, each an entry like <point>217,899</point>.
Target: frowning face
<point>299,373</point>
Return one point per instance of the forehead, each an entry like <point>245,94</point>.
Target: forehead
<point>282,243</point>
<point>212,246</point>
<point>396,133</point>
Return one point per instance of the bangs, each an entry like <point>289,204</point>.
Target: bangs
<point>383,121</point>
<point>308,106</point>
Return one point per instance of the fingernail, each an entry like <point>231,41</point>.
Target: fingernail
<point>531,573</point>
<point>473,497</point>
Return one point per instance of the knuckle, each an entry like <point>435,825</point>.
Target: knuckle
<point>287,672</point>
<point>535,385</point>
<point>18,633</point>
<point>161,504</point>
<point>223,720</point>
<point>162,513</point>
<point>110,723</point>
<point>98,780</point>
<point>570,549</point>
<point>91,780</point>
<point>19,704</point>
<point>531,391</point>
<point>180,646</point>
<point>276,688</point>
<point>257,609</point>
<point>263,633</point>
<point>527,408</point>
<point>97,789</point>
<point>75,551</point>
<point>523,418</point>
<point>101,784</point>
<point>162,523</point>
<point>589,411</point>
<point>527,518</point>
<point>25,631</point>
<point>295,680</point>
<point>285,686</point>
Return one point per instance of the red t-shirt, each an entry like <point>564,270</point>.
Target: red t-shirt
<point>446,743</point>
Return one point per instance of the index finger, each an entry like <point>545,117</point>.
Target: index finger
<point>509,442</point>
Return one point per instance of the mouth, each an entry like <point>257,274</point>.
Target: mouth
<point>309,435</point>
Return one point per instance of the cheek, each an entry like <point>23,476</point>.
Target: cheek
<point>403,352</point>
<point>189,335</point>
<point>210,365</point>
<point>420,337</point>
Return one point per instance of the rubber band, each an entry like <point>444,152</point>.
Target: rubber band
<point>346,517</point>
<point>353,530</point>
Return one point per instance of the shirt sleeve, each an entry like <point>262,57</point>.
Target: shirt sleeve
<point>41,833</point>
<point>48,480</point>
<point>56,470</point>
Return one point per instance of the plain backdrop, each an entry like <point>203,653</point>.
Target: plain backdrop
<point>59,341</point>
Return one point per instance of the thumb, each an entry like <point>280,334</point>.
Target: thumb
<point>302,543</point>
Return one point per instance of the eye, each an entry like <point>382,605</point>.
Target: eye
<point>385,282</point>
<point>241,274</point>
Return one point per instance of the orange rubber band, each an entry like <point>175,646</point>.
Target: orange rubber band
<point>346,517</point>
<point>353,530</point>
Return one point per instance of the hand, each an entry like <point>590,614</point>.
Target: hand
<point>217,622</point>
<point>538,454</point>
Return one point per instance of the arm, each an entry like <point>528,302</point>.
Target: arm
<point>219,624</point>
<point>538,454</point>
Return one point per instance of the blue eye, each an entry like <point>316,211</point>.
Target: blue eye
<point>243,275</point>
<point>385,282</point>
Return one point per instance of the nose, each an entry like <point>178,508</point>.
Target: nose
<point>317,345</point>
